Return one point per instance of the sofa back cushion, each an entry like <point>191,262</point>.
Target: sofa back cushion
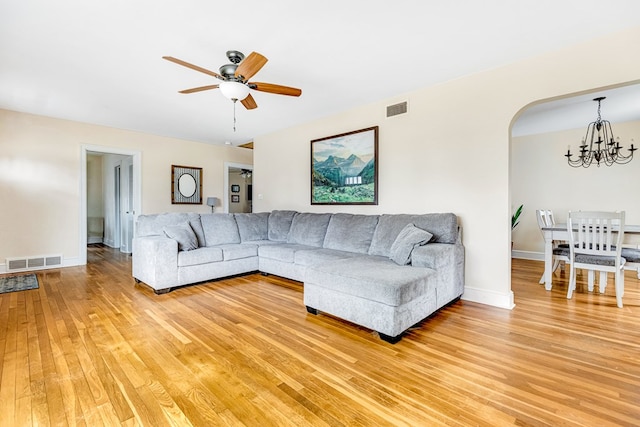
<point>443,226</point>
<point>253,226</point>
<point>219,229</point>
<point>309,229</point>
<point>279,225</point>
<point>351,233</point>
<point>153,224</point>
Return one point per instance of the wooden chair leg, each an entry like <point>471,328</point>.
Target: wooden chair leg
<point>602,282</point>
<point>619,287</point>
<point>572,282</point>
<point>590,280</point>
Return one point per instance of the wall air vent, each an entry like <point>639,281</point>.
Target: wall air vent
<point>397,109</point>
<point>34,263</point>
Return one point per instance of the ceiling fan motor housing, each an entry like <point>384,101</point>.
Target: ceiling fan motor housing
<point>228,71</point>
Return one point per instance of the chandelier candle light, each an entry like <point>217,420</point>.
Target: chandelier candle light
<point>603,147</point>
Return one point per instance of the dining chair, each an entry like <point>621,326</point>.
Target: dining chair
<point>596,246</point>
<point>560,250</point>
<point>631,253</point>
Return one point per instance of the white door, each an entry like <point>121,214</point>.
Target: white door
<point>126,204</point>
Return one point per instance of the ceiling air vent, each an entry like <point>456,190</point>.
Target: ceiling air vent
<point>397,109</point>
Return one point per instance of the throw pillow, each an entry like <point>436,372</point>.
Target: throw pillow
<point>183,234</point>
<point>410,237</point>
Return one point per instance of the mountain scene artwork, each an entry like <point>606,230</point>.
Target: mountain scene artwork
<point>344,168</point>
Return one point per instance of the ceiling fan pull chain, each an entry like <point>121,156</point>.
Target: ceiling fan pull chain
<point>234,114</point>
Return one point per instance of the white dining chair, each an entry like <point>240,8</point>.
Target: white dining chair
<point>560,250</point>
<point>595,243</point>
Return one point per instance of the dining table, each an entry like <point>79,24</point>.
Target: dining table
<point>560,231</point>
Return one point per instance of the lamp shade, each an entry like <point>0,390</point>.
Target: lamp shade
<point>235,91</point>
<point>212,201</point>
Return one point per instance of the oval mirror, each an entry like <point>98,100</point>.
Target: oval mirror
<point>187,185</point>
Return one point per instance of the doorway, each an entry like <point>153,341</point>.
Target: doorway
<point>238,188</point>
<point>120,201</point>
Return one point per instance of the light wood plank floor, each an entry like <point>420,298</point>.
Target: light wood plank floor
<point>89,347</point>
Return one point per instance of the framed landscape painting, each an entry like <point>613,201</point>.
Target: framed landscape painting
<point>344,168</point>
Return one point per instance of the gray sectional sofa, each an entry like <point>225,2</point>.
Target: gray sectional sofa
<point>383,272</point>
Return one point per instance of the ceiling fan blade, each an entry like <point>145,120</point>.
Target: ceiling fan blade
<point>198,89</point>
<point>193,67</point>
<point>250,65</point>
<point>278,89</point>
<point>249,103</point>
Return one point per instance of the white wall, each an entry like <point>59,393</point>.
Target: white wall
<point>451,152</point>
<point>40,168</point>
<point>542,179</point>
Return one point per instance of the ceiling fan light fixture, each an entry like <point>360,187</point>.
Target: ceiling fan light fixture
<point>234,91</point>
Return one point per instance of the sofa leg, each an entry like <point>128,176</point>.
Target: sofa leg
<point>135,279</point>
<point>264,274</point>
<point>311,310</point>
<point>389,339</point>
<point>161,291</point>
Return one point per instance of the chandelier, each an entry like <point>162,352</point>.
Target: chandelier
<point>599,145</point>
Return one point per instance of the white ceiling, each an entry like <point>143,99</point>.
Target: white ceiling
<point>100,61</point>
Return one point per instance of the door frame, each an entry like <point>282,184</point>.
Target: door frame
<point>137,189</point>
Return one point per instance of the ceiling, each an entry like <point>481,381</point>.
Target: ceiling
<point>101,62</point>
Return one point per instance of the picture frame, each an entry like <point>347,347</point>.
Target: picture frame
<point>186,185</point>
<point>235,198</point>
<point>344,168</point>
<point>235,188</point>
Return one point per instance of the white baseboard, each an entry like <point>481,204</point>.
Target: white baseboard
<point>483,296</point>
<point>534,256</point>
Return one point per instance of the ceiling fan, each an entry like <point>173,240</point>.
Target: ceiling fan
<point>235,84</point>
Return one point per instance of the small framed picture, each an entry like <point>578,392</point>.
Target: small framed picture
<point>235,188</point>
<point>186,185</point>
<point>235,198</point>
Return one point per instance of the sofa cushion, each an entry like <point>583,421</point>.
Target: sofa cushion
<point>253,226</point>
<point>220,229</point>
<point>410,237</point>
<point>199,256</point>
<point>284,252</point>
<point>374,278</point>
<point>238,251</point>
<point>351,233</point>
<point>309,229</point>
<point>152,225</point>
<point>279,225</point>
<point>183,234</point>
<point>306,257</point>
<point>443,226</point>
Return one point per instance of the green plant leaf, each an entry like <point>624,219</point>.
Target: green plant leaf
<point>515,216</point>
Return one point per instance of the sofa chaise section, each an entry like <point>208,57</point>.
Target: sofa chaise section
<point>380,294</point>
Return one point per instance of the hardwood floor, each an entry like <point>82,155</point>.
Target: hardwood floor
<point>89,347</point>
